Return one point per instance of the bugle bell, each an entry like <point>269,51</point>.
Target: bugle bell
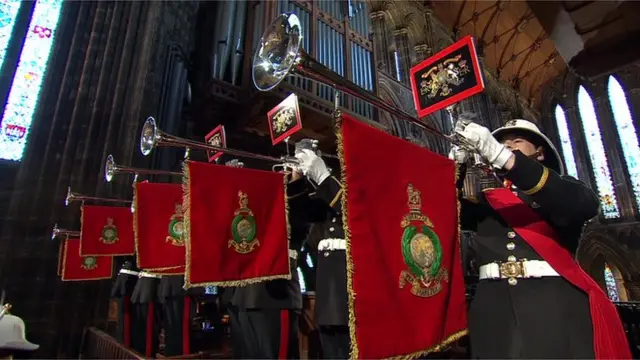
<point>111,169</point>
<point>63,232</point>
<point>71,197</point>
<point>151,137</point>
<point>280,53</point>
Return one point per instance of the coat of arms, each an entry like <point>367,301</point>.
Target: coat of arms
<point>89,263</point>
<point>109,233</point>
<point>444,77</point>
<point>176,227</point>
<point>421,250</point>
<point>243,227</point>
<point>215,140</point>
<point>283,119</point>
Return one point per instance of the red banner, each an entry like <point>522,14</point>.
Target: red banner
<point>79,268</point>
<point>159,226</point>
<point>236,225</point>
<point>403,241</point>
<point>60,257</point>
<point>106,231</point>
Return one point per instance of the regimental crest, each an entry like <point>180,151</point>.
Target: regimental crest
<point>511,123</point>
<point>284,119</point>
<point>243,227</point>
<point>109,233</point>
<point>216,137</point>
<point>421,250</point>
<point>176,227</point>
<point>441,79</point>
<point>89,263</point>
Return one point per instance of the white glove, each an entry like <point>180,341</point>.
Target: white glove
<point>459,155</point>
<point>485,144</point>
<point>312,166</point>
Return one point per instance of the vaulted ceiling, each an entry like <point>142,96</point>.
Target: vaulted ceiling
<point>512,40</point>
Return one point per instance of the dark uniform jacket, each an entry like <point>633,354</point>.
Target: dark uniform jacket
<point>275,294</point>
<point>324,208</point>
<point>536,317</point>
<point>125,283</point>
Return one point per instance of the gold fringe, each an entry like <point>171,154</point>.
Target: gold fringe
<point>347,237</point>
<point>135,223</point>
<point>186,205</point>
<point>82,224</point>
<point>354,354</point>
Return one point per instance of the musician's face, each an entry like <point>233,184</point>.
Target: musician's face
<point>525,146</point>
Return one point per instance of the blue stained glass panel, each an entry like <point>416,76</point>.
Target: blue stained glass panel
<point>565,142</point>
<point>8,12</point>
<point>27,83</point>
<point>610,281</point>
<point>596,153</point>
<point>626,133</point>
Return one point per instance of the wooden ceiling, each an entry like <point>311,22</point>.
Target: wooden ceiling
<point>514,43</point>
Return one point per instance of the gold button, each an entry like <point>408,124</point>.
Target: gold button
<point>511,234</point>
<point>333,220</point>
<point>511,246</point>
<point>511,258</point>
<point>512,281</point>
<point>332,229</point>
<point>326,253</point>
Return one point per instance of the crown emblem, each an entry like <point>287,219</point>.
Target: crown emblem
<point>415,202</point>
<point>243,199</point>
<point>110,221</point>
<point>511,123</point>
<point>178,208</point>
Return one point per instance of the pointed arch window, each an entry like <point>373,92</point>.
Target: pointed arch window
<point>626,133</point>
<point>565,142</point>
<point>610,281</point>
<point>597,154</point>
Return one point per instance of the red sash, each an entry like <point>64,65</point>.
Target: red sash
<point>609,338</point>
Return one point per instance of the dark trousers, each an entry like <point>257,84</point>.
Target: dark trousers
<point>146,328</point>
<point>335,342</point>
<point>175,314</point>
<point>262,333</point>
<point>126,319</point>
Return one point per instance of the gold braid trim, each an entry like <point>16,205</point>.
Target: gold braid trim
<point>136,231</point>
<point>186,203</point>
<point>347,237</point>
<point>540,184</point>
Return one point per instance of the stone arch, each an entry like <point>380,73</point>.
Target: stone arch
<point>595,243</point>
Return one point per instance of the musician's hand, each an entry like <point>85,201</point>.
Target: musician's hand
<point>459,155</point>
<point>312,166</point>
<point>295,175</point>
<point>480,138</point>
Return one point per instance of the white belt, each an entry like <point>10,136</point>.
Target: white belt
<point>517,269</point>
<point>129,272</point>
<point>332,245</point>
<point>149,275</point>
<point>293,254</point>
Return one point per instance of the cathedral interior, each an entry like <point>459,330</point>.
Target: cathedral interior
<point>80,77</point>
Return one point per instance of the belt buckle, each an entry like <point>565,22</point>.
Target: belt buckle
<point>511,270</point>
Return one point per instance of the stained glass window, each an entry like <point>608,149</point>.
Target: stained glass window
<point>397,58</point>
<point>309,261</point>
<point>610,281</point>
<point>8,12</point>
<point>597,155</point>
<point>626,133</point>
<point>565,142</point>
<point>303,285</point>
<point>27,83</point>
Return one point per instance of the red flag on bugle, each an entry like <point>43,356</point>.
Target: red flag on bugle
<point>403,241</point>
<point>106,231</point>
<point>236,225</point>
<point>79,268</point>
<point>159,227</point>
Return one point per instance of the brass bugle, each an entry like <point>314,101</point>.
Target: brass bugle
<point>152,137</point>
<point>111,169</point>
<point>71,197</point>
<point>280,53</point>
<point>63,232</point>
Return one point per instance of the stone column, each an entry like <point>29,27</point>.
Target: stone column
<point>379,25</point>
<point>422,52</point>
<point>402,47</point>
<point>429,31</point>
<point>633,290</point>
